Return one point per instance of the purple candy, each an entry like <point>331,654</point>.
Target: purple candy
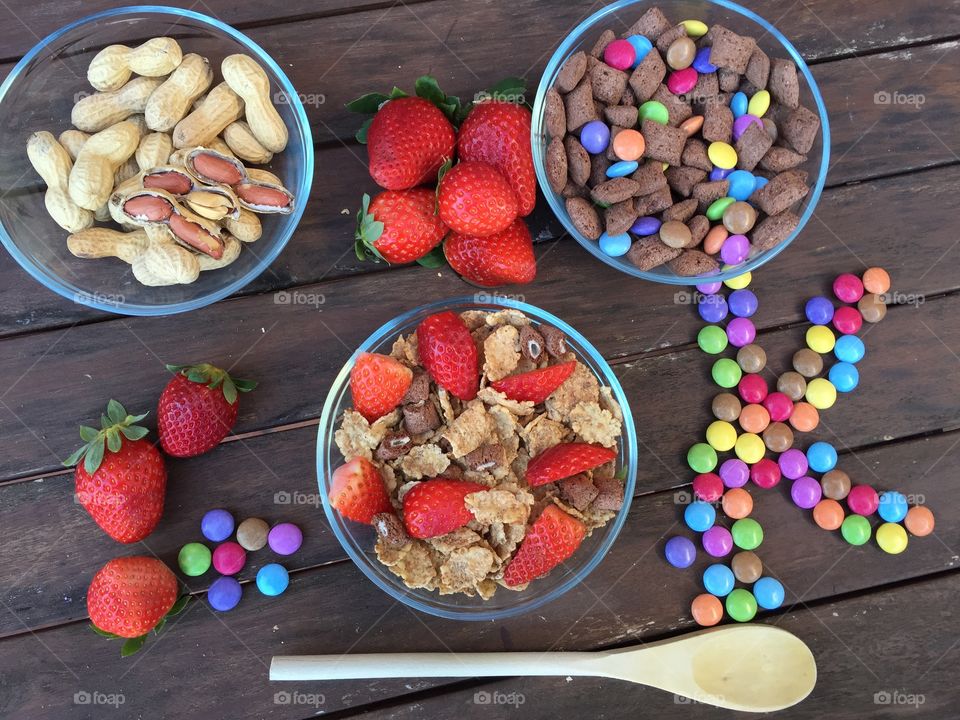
<point>734,473</point>
<point>680,551</point>
<point>741,331</point>
<point>717,541</point>
<point>741,124</point>
<point>805,492</point>
<point>712,308</point>
<point>793,463</point>
<point>224,594</point>
<point>645,226</point>
<point>285,538</point>
<point>743,303</point>
<point>719,173</point>
<point>710,288</point>
<point>702,64</point>
<point>735,249</point>
<point>595,136</point>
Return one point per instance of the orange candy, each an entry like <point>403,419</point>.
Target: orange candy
<point>919,521</point>
<point>804,417</point>
<point>629,145</point>
<point>706,609</point>
<point>714,239</point>
<point>691,126</point>
<point>737,503</point>
<point>876,280</point>
<point>754,418</point>
<point>828,514</point>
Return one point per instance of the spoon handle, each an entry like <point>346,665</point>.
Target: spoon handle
<point>401,665</point>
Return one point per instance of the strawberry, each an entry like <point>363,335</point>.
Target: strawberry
<point>357,491</point>
<point>198,408</point>
<point>565,460</point>
<point>378,384</point>
<point>498,133</point>
<point>436,507</point>
<point>536,385</point>
<point>449,354</point>
<point>407,142</point>
<point>475,199</point>
<point>130,596</point>
<point>503,258</point>
<point>399,226</point>
<point>553,537</point>
<point>122,479</point>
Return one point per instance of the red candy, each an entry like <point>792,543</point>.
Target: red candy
<point>752,388</point>
<point>779,406</point>
<point>708,487</point>
<point>682,81</point>
<point>619,54</point>
<point>847,320</point>
<point>848,288</point>
<point>863,500</point>
<point>765,473</point>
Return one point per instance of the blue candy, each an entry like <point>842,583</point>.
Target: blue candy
<point>893,506</point>
<point>595,137</point>
<point>647,225</point>
<point>615,245</point>
<point>761,182</point>
<point>217,525</point>
<point>272,579</point>
<point>699,516</point>
<point>622,168</point>
<point>844,376</point>
<point>718,580</point>
<point>768,592</point>
<point>712,308</point>
<point>641,45</point>
<point>680,551</point>
<point>719,174</point>
<point>742,184</point>
<point>224,594</point>
<point>819,310</point>
<point>822,457</point>
<point>849,348</point>
<point>739,104</point>
<point>702,64</point>
<point>742,303</point>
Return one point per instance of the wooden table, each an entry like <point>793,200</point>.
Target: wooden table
<point>882,627</point>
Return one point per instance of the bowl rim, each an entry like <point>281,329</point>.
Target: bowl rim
<point>328,417</point>
<point>537,130</point>
<point>264,261</point>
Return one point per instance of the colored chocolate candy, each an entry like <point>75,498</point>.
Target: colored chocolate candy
<point>718,580</point>
<point>229,558</point>
<point>285,538</point>
<point>217,525</point>
<point>746,566</point>
<point>769,593</point>
<point>272,579</point>
<point>680,551</point>
<point>706,609</point>
<point>194,559</point>
<point>224,594</point>
<point>252,533</point>
<point>741,605</point>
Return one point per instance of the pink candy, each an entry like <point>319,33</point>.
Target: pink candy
<point>682,81</point>
<point>229,558</point>
<point>848,288</point>
<point>620,55</point>
<point>779,406</point>
<point>708,487</point>
<point>863,500</point>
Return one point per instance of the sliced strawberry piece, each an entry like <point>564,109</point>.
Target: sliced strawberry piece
<point>357,491</point>
<point>566,460</point>
<point>436,507</point>
<point>378,384</point>
<point>553,537</point>
<point>448,353</point>
<point>536,385</point>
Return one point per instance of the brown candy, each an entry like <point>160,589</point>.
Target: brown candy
<point>746,566</point>
<point>681,53</point>
<point>726,406</point>
<point>739,218</point>
<point>675,234</point>
<point>792,385</point>
<point>751,358</point>
<point>872,307</point>
<point>807,362</point>
<point>778,437</point>
<point>835,484</point>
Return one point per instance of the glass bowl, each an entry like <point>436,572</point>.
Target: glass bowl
<point>621,15</point>
<point>358,539</point>
<point>39,94</point>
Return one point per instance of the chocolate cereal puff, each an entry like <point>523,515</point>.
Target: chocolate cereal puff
<point>647,76</point>
<point>751,147</point>
<point>718,124</point>
<point>584,217</point>
<point>681,211</point>
<point>699,227</point>
<point>707,88</point>
<point>657,201</point>
<point>572,190</point>
<point>578,161</point>
<point>652,24</point>
<point>729,50</point>
<point>571,73</point>
<point>693,262</point>
<point>668,37</point>
<point>778,159</point>
<point>607,37</point>
<point>663,143</point>
<point>621,115</point>
<point>649,177</point>
<point>706,192</point>
<point>608,83</point>
<point>758,69</point>
<point>773,230</point>
<point>579,106</point>
<point>556,164</point>
<point>598,169</point>
<point>799,129</point>
<point>783,84</point>
<point>782,192</point>
<point>620,216</point>
<point>648,252</point>
<point>554,114</point>
<point>728,80</point>
<point>695,155</point>
<point>614,191</point>
<point>677,109</point>
<point>683,178</point>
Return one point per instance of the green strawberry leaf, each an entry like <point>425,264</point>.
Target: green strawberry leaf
<point>433,259</point>
<point>113,424</point>
<point>87,433</point>
<point>113,439</point>
<point>179,606</point>
<point>75,457</point>
<point>245,385</point>
<point>132,646</point>
<point>134,432</point>
<point>367,104</point>
<point>159,626</point>
<point>510,89</point>
<point>115,412</point>
<point>94,456</point>
<point>397,93</point>
<point>362,132</point>
<point>103,633</point>
<point>229,390</point>
<point>104,422</point>
<point>427,88</point>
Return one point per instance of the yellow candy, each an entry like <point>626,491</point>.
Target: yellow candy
<point>739,282</point>
<point>759,103</point>
<point>749,448</point>
<point>722,155</point>
<point>721,436</point>
<point>820,339</point>
<point>821,393</point>
<point>892,538</point>
<point>695,28</point>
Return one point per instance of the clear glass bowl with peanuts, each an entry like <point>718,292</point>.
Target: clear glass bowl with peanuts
<point>156,160</point>
<point>527,529</point>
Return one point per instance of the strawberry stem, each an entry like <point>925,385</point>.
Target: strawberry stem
<point>213,377</point>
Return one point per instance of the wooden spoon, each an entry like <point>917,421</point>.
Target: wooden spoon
<point>752,668</point>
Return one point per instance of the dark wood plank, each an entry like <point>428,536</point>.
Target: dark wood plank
<point>633,595</point>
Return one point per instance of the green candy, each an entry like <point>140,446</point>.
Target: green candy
<point>718,207</point>
<point>712,339</point>
<point>855,529</point>
<point>726,373</point>
<point>194,559</point>
<point>747,534</point>
<point>702,458</point>
<point>741,605</point>
<point>656,111</point>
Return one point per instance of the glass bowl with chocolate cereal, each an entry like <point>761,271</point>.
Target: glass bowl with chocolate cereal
<point>476,458</point>
<point>681,141</point>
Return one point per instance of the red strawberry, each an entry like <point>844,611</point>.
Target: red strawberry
<point>122,479</point>
<point>565,460</point>
<point>378,384</point>
<point>553,537</point>
<point>357,491</point>
<point>130,596</point>
<point>536,385</point>
<point>475,199</point>
<point>198,408</point>
<point>436,507</point>
<point>498,133</point>
<point>448,353</point>
<point>399,225</point>
<point>407,142</point>
<point>503,258</point>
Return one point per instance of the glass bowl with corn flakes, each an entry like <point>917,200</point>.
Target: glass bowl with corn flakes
<point>476,457</point>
